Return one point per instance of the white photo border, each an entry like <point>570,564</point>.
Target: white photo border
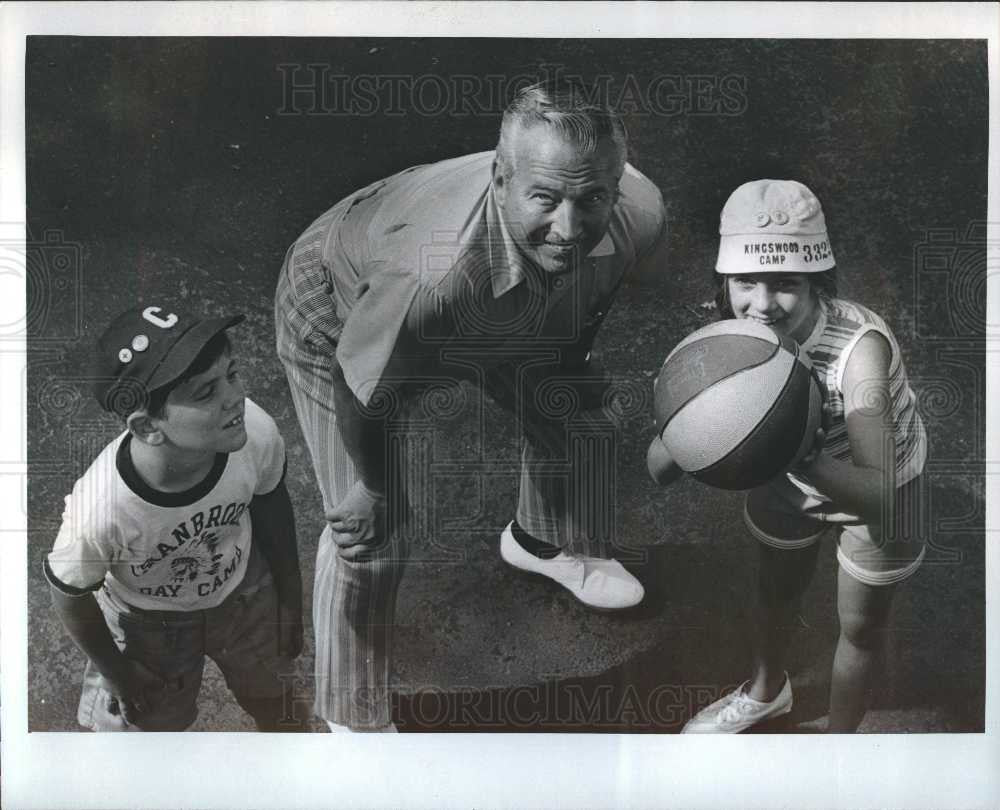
<point>52,770</point>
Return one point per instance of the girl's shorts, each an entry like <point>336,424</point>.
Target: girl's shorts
<point>780,515</point>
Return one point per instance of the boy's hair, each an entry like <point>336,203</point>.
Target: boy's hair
<point>156,401</point>
<point>823,284</point>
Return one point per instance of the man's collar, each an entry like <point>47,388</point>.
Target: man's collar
<point>506,261</point>
<point>606,247</point>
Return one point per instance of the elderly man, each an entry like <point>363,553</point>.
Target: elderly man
<point>495,269</point>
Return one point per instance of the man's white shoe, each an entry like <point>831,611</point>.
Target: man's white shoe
<point>600,584</point>
<point>737,711</point>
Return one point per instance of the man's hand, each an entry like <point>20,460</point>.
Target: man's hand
<point>290,633</point>
<point>133,690</point>
<point>358,522</point>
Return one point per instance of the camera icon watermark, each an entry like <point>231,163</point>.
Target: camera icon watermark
<point>952,272</point>
<point>50,268</point>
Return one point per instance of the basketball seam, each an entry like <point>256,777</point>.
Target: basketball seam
<point>761,423</point>
<point>710,328</point>
<point>777,347</point>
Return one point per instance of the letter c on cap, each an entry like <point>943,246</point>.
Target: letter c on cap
<point>150,314</point>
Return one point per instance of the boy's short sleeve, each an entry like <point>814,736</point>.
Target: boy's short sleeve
<point>267,448</point>
<point>83,552</point>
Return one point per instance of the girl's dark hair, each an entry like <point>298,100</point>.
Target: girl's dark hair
<point>203,361</point>
<point>823,284</point>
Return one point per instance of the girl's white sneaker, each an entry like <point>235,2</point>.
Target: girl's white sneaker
<point>737,711</point>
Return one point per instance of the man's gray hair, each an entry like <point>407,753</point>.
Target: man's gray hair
<point>566,107</point>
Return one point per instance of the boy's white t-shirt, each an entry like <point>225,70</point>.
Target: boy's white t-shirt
<point>165,551</point>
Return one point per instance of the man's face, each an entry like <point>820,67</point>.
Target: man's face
<point>557,203</point>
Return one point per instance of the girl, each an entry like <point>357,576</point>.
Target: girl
<point>776,266</point>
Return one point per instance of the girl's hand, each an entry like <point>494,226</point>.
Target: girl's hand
<point>661,465</point>
<point>810,457</point>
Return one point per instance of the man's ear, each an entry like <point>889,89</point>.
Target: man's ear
<point>144,427</point>
<point>499,181</point>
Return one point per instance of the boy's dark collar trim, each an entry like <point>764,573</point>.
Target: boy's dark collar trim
<point>132,479</point>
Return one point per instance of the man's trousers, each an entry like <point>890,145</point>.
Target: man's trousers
<point>566,495</point>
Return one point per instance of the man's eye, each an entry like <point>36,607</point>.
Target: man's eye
<point>543,198</point>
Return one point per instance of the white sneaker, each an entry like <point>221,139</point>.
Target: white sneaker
<point>597,583</point>
<point>336,728</point>
<point>737,711</point>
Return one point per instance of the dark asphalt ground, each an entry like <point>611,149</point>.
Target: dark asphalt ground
<point>181,169</point>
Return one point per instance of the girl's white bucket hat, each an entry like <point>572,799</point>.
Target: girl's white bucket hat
<point>773,226</point>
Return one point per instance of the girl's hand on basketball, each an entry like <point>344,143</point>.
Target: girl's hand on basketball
<point>661,465</point>
<point>358,522</point>
<point>820,440</point>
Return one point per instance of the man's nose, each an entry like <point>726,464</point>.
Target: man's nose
<point>567,224</point>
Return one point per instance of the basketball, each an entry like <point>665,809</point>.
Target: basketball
<point>736,404</point>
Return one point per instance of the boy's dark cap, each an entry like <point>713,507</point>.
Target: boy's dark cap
<point>146,348</point>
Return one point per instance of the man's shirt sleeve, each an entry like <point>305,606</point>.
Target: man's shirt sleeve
<point>645,218</point>
<point>388,342</point>
<point>651,263</point>
<point>373,328</point>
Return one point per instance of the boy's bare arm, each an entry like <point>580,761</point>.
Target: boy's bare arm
<point>274,532</point>
<point>128,681</point>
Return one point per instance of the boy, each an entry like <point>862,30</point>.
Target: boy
<point>183,529</point>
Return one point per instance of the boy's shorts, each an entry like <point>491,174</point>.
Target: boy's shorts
<point>240,635</point>
<point>780,515</point>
